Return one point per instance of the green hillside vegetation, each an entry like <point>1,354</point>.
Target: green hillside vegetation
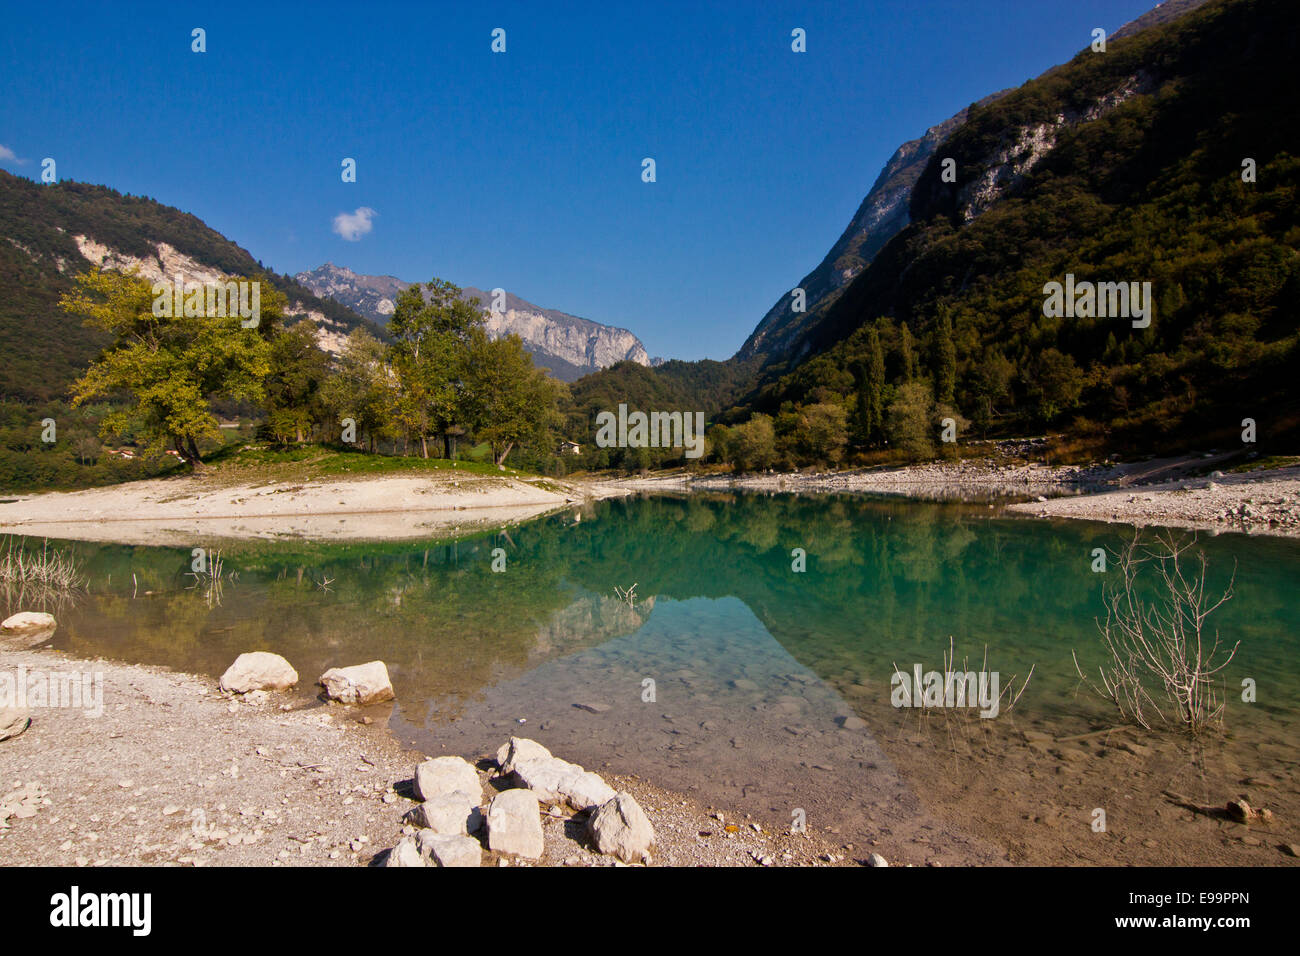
<point>46,349</point>
<point>159,384</point>
<point>628,383</point>
<point>1150,192</point>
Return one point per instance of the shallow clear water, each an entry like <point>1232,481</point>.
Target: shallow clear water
<point>755,666</point>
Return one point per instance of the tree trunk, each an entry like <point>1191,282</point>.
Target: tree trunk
<point>424,446</point>
<point>505,451</point>
<point>193,450</point>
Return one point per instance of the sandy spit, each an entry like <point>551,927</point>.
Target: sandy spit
<point>175,510</point>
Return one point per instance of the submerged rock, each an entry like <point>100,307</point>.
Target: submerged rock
<point>444,775</point>
<point>621,828</point>
<point>514,824</point>
<point>558,781</point>
<point>258,670</point>
<point>359,684</point>
<point>28,627</point>
<point>27,621</point>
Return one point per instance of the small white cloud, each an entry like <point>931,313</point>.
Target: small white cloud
<point>353,225</point>
<point>7,155</point>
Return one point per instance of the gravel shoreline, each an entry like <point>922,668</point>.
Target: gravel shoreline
<point>1260,502</point>
<point>177,773</point>
<point>1168,492</point>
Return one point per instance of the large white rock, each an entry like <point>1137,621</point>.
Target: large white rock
<point>32,626</point>
<point>516,749</point>
<point>258,670</point>
<point>444,850</point>
<point>406,853</point>
<point>359,684</point>
<point>13,721</point>
<point>449,814</point>
<point>558,781</point>
<point>440,775</point>
<point>514,824</point>
<point>621,828</point>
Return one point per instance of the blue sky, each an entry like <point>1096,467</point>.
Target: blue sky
<point>523,169</point>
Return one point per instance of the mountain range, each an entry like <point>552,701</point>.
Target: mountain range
<point>568,346</point>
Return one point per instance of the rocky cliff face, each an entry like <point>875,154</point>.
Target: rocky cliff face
<point>569,346</point>
<point>168,263</point>
<point>882,215</point>
<point>1004,168</point>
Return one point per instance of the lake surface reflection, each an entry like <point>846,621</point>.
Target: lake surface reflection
<point>729,674</point>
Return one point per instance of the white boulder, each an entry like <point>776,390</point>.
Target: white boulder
<point>406,853</point>
<point>258,670</point>
<point>30,627</point>
<point>449,814</point>
<point>440,775</point>
<point>621,828</point>
<point>443,850</point>
<point>359,684</point>
<point>514,824</point>
<point>558,781</point>
<point>519,748</point>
